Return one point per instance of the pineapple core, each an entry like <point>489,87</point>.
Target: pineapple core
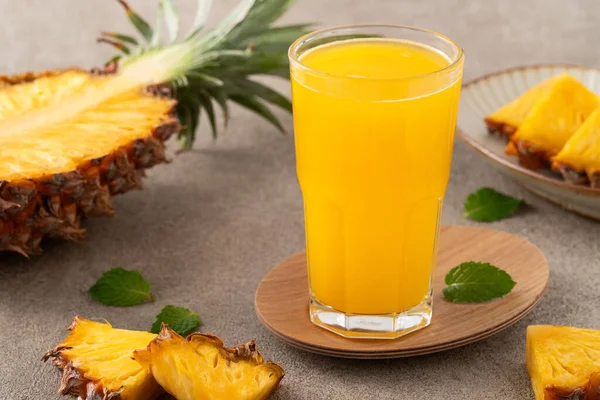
<point>563,362</point>
<point>53,124</point>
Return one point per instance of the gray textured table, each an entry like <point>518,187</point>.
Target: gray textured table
<point>212,223</point>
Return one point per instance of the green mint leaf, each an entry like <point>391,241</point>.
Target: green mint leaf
<point>475,282</point>
<point>487,205</point>
<point>121,288</point>
<point>180,319</point>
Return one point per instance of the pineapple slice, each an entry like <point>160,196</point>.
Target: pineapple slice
<point>579,159</point>
<point>97,363</point>
<point>200,368</point>
<point>558,113</point>
<point>507,119</point>
<point>563,362</point>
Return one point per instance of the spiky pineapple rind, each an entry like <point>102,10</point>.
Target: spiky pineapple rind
<point>73,382</point>
<point>583,392</point>
<point>499,128</point>
<point>54,205</point>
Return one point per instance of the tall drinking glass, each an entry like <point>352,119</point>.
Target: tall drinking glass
<point>374,115</point>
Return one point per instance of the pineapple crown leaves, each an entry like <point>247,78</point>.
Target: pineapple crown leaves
<point>221,60</point>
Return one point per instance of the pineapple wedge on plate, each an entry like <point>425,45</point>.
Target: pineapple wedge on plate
<point>560,110</point>
<point>70,140</point>
<point>200,368</point>
<point>563,362</point>
<point>97,363</point>
<point>579,159</point>
<point>508,118</point>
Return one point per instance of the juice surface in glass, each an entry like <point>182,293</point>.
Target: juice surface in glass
<point>374,131</point>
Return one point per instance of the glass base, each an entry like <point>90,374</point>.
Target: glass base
<point>360,326</point>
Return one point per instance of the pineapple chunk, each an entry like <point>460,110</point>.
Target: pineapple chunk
<point>558,113</point>
<point>97,363</point>
<point>581,154</point>
<point>563,362</point>
<point>200,368</point>
<point>507,119</point>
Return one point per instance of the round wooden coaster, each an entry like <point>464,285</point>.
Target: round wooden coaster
<point>282,299</point>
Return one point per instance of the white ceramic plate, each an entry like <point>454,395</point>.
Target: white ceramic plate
<point>484,95</point>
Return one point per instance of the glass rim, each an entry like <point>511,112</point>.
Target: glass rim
<point>295,61</point>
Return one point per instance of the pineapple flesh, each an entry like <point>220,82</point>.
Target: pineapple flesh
<point>97,363</point>
<point>52,176</point>
<point>579,159</point>
<point>200,368</point>
<point>563,362</point>
<point>554,118</point>
<point>93,133</point>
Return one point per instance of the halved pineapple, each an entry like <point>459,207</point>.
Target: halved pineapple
<point>69,140</point>
<point>508,118</point>
<point>200,368</point>
<point>556,115</point>
<point>53,174</point>
<point>563,362</point>
<point>97,363</point>
<point>579,159</point>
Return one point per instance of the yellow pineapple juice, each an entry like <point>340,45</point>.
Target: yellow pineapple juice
<point>374,128</point>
